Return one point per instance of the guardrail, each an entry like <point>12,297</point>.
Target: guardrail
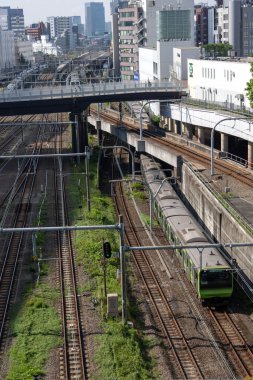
<point>232,157</point>
<point>86,90</point>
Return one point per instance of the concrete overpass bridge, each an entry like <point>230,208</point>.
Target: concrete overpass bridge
<point>76,99</point>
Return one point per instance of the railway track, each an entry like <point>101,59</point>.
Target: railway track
<point>14,189</point>
<point>73,363</point>
<point>235,343</point>
<point>13,251</point>
<point>183,363</point>
<point>187,152</point>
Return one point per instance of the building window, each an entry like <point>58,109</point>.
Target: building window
<point>126,14</point>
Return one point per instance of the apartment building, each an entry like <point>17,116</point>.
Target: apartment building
<point>130,37</point>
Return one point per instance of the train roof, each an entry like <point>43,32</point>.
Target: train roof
<point>185,227</point>
<point>211,257</point>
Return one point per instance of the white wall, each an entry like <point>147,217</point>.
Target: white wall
<point>220,81</point>
<point>146,58</point>
<point>180,56</point>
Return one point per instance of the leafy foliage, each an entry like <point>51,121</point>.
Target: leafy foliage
<point>249,87</point>
<point>219,50</point>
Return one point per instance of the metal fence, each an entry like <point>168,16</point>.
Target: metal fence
<point>85,90</point>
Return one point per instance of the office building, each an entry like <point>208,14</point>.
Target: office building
<point>94,19</point>
<point>174,27</point>
<point>12,19</point>
<point>7,49</point>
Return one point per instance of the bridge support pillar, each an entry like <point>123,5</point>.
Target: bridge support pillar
<point>170,124</point>
<point>223,142</point>
<point>73,132</point>
<point>178,127</point>
<point>130,163</point>
<point>79,131</point>
<point>173,126</point>
<point>166,123</point>
<point>82,130</point>
<point>189,131</point>
<point>201,135</point>
<point>250,155</point>
<point>99,132</point>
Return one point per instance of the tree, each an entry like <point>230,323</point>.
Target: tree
<point>249,87</point>
<point>218,50</point>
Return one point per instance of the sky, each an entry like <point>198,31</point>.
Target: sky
<point>39,10</point>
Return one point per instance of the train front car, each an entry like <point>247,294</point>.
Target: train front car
<point>215,279</point>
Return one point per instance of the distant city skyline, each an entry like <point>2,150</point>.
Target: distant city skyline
<point>35,11</point>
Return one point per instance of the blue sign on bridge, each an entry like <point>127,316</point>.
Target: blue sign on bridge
<point>136,75</point>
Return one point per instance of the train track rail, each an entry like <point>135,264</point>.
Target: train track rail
<point>73,363</point>
<point>183,363</point>
<point>14,189</point>
<point>188,153</point>
<point>14,248</point>
<point>236,345</point>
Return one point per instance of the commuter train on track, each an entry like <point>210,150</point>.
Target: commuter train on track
<point>209,272</point>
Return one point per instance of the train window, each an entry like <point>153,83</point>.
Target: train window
<point>215,279</point>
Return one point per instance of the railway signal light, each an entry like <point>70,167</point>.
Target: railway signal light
<point>107,249</point>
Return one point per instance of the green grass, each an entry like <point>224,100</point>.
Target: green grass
<point>37,329</point>
<point>89,243</point>
<point>35,325</point>
<point>139,195</point>
<point>121,354</point>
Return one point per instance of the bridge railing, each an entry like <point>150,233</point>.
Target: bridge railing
<point>86,90</point>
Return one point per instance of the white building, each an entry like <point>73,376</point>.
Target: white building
<point>7,49</point>
<point>58,25</point>
<point>45,47</point>
<point>180,57</point>
<point>222,26</point>
<point>221,81</point>
<point>172,27</point>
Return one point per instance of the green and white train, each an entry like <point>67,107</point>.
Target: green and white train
<point>210,275</point>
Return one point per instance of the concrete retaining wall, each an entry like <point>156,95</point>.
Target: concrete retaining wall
<point>218,221</point>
